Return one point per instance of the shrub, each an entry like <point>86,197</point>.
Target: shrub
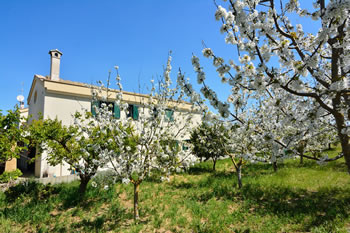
<point>8,176</point>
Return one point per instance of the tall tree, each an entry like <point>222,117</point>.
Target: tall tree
<point>277,59</point>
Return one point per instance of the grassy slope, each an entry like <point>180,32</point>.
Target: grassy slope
<point>297,198</point>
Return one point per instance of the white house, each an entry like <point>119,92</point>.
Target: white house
<point>51,97</point>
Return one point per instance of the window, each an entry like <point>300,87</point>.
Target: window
<point>94,105</point>
<point>133,111</point>
<point>111,106</point>
<point>35,96</point>
<point>169,115</point>
<point>185,145</point>
<point>155,112</point>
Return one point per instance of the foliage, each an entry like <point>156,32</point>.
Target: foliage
<point>78,145</point>
<point>6,176</point>
<point>209,140</point>
<point>11,133</point>
<point>104,179</point>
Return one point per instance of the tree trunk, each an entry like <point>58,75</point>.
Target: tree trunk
<point>344,141</point>
<point>346,151</point>
<point>214,164</point>
<point>337,53</point>
<point>136,201</point>
<point>239,176</point>
<point>84,180</point>
<point>274,166</point>
<point>300,150</point>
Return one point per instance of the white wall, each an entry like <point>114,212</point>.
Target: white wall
<point>37,107</point>
<point>63,107</point>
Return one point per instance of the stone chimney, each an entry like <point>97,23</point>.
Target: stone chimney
<point>55,64</point>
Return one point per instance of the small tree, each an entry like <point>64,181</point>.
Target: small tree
<point>79,145</point>
<point>209,139</point>
<point>11,133</point>
<point>148,144</point>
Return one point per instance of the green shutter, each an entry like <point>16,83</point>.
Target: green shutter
<point>94,106</point>
<point>135,112</point>
<point>169,115</point>
<point>184,146</point>
<point>116,111</point>
<point>177,145</point>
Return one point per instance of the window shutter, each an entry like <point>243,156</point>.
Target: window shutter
<point>94,106</point>
<point>184,146</point>
<point>177,145</point>
<point>169,115</point>
<point>116,111</point>
<point>135,112</point>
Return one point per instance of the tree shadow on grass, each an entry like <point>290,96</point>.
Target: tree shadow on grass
<point>102,223</point>
<point>200,168</point>
<point>315,208</point>
<point>33,189</point>
<point>37,204</point>
<point>337,166</point>
<point>326,207</point>
<point>70,197</point>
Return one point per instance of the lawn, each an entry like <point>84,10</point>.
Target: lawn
<point>297,198</point>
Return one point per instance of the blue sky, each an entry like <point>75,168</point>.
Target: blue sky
<point>96,35</point>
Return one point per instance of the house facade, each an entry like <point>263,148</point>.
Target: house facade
<point>52,97</point>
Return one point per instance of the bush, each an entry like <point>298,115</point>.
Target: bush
<point>209,141</point>
<point>104,179</point>
<point>31,188</point>
<point>8,176</point>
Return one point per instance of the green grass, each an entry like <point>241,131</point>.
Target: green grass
<point>297,198</point>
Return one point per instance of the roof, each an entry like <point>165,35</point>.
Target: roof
<point>71,88</point>
<point>55,50</point>
<point>23,110</point>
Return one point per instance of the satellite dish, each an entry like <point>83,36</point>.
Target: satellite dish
<point>20,98</point>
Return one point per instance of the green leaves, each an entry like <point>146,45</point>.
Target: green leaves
<point>208,140</point>
<point>12,140</point>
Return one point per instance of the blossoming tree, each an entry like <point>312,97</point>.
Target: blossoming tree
<point>151,141</point>
<point>279,62</point>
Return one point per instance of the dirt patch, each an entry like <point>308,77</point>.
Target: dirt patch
<point>233,208</point>
<point>162,230</point>
<point>54,213</point>
<point>123,197</point>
